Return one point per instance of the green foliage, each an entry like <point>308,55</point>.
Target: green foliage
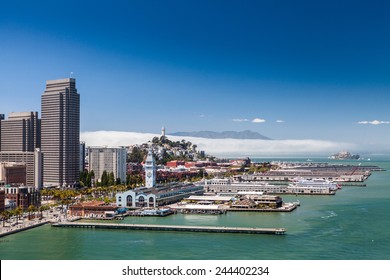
<point>5,215</point>
<point>86,178</point>
<point>259,167</point>
<point>134,180</point>
<point>165,158</point>
<point>137,155</point>
<point>111,179</point>
<point>104,179</point>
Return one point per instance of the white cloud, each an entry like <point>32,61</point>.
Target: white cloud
<point>258,120</point>
<point>224,147</point>
<point>280,121</point>
<point>240,120</point>
<point>374,122</point>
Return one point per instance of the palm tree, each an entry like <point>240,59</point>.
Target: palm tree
<point>17,212</point>
<point>8,214</point>
<point>44,193</point>
<point>57,195</point>
<point>40,209</point>
<point>5,216</point>
<point>30,209</point>
<point>43,208</point>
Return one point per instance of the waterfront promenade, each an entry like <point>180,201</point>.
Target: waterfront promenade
<point>22,224</point>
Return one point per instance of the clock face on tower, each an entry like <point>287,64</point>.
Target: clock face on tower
<point>149,174</point>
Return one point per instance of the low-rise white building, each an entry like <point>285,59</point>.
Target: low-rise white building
<point>157,196</point>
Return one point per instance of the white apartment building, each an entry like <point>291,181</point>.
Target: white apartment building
<point>102,159</point>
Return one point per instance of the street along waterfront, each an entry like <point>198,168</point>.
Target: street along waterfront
<point>350,225</point>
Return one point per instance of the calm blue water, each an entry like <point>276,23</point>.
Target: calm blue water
<point>354,224</point>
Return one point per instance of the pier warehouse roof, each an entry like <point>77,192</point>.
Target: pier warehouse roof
<point>211,198</point>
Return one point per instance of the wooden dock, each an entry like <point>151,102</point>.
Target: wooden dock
<point>208,229</point>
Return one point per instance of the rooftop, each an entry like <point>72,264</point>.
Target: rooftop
<point>210,198</point>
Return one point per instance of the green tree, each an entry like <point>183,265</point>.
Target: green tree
<point>88,180</point>
<point>163,140</point>
<point>137,155</point>
<point>31,208</point>
<point>111,179</point>
<point>83,177</point>
<point>17,212</point>
<point>5,216</point>
<point>43,208</point>
<point>104,179</point>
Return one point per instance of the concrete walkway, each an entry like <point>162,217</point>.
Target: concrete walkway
<point>23,224</point>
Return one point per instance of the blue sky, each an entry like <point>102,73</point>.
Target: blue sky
<point>303,69</point>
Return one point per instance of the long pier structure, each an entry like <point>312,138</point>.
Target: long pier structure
<point>209,229</point>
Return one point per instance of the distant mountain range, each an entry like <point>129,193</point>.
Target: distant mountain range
<point>246,134</point>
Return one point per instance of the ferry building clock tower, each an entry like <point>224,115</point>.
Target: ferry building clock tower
<point>150,171</point>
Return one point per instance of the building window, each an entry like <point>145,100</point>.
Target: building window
<point>129,201</point>
<point>151,202</point>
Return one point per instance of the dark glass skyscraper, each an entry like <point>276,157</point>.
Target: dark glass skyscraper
<point>60,133</point>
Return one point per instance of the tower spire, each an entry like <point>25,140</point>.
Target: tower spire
<point>150,170</point>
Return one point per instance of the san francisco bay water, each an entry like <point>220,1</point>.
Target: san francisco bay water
<point>354,224</point>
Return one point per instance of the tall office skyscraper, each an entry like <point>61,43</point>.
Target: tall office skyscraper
<point>21,132</point>
<point>1,118</point>
<point>60,133</point>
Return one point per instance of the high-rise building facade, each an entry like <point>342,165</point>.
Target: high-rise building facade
<point>1,119</point>
<point>60,133</point>
<point>102,159</point>
<point>12,173</point>
<point>20,132</point>
<point>82,156</point>
<point>32,161</point>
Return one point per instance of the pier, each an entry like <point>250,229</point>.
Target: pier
<point>289,207</point>
<point>208,229</point>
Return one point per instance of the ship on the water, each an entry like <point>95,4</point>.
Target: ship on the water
<point>344,155</point>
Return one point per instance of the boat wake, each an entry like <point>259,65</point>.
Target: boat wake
<point>331,214</point>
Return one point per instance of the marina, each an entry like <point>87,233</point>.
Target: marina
<point>208,229</point>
